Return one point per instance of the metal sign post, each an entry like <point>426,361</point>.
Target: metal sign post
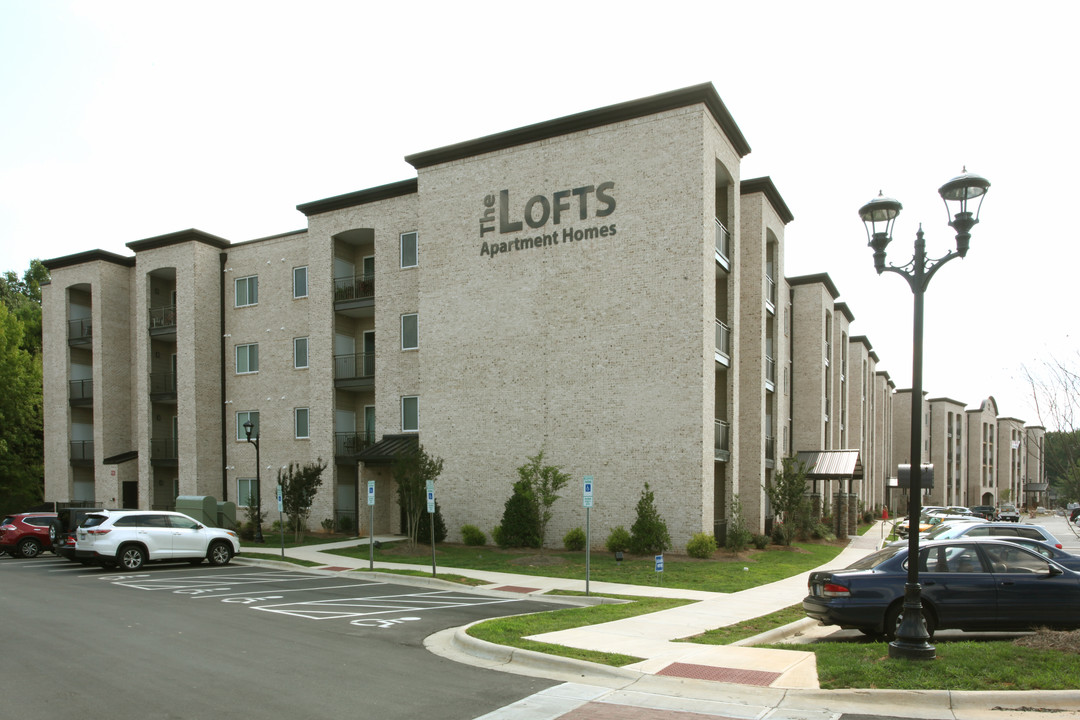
<point>431,520</point>
<point>659,568</point>
<point>281,521</point>
<point>587,502</point>
<point>371,524</point>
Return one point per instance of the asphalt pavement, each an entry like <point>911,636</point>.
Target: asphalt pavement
<point>732,681</point>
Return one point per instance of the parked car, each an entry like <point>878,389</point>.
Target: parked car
<point>966,585</point>
<point>26,535</point>
<point>929,521</point>
<point>1008,513</point>
<point>62,529</point>
<point>989,529</point>
<point>131,538</point>
<point>1061,557</point>
<point>985,511</point>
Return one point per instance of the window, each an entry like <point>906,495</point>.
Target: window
<point>299,282</point>
<point>410,339</point>
<point>245,491</point>
<point>247,291</point>
<point>251,416</point>
<point>409,250</point>
<point>410,414</point>
<point>299,353</point>
<point>247,358</point>
<point>300,417</point>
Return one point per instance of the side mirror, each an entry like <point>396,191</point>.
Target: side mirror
<point>1052,570</point>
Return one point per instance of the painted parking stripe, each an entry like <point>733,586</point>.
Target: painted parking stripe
<point>379,605</point>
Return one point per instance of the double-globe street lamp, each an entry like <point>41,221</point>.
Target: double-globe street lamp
<point>912,640</point>
<point>248,427</point>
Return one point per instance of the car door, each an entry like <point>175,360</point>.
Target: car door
<point>188,537</point>
<point>1030,589</point>
<point>154,531</point>
<point>959,584</point>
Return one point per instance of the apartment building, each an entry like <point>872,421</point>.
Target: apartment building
<point>603,286</point>
<point>947,453</point>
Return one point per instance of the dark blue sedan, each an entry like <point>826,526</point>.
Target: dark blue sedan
<point>988,585</point>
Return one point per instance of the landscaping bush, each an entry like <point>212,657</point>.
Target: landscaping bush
<point>759,541</point>
<point>574,540</point>
<point>521,519</point>
<point>702,545</point>
<point>779,534</point>
<point>618,540</point>
<point>472,535</point>
<point>738,536</point>
<point>328,525</point>
<point>649,533</point>
<point>423,529</point>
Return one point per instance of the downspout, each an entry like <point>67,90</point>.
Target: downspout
<point>221,374</point>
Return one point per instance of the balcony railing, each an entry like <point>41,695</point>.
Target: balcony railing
<point>163,317</point>
<point>721,440</point>
<point>163,383</point>
<point>163,449</point>
<point>354,287</point>
<point>350,443</point>
<point>80,330</point>
<point>723,244</point>
<point>354,365</point>
<point>770,447</point>
<point>770,291</point>
<point>723,340</point>
<point>770,370</point>
<point>80,390</point>
<point>82,450</point>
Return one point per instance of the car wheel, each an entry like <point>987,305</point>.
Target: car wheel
<point>131,557</point>
<point>29,548</point>
<point>219,554</point>
<point>895,616</point>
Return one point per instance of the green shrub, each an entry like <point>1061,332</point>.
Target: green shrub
<point>779,534</point>
<point>618,540</point>
<point>497,535</point>
<point>649,533</point>
<point>759,541</point>
<point>472,535</point>
<point>346,524</point>
<point>328,524</point>
<point>738,536</point>
<point>423,529</point>
<point>574,540</point>
<point>521,519</point>
<point>702,545</point>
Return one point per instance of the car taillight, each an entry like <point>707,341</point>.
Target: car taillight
<point>99,531</point>
<point>1058,546</point>
<point>834,590</point>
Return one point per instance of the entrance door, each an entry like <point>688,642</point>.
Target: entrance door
<point>130,494</point>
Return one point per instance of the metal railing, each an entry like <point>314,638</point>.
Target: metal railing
<point>770,447</point>
<point>81,389</point>
<point>770,369</point>
<point>350,443</point>
<point>163,317</point>
<point>721,440</point>
<point>723,240</point>
<point>723,339</point>
<point>163,449</point>
<point>354,365</point>
<point>81,449</point>
<point>162,383</point>
<point>354,287</point>
<point>80,329</point>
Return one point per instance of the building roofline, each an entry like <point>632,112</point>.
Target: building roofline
<point>176,238</point>
<point>1006,418</point>
<point>270,237</point>
<point>704,94</point>
<point>360,197</point>
<point>843,307</point>
<point>817,278</point>
<point>863,340</point>
<point>765,186</point>
<point>947,399</point>
<point>88,256</point>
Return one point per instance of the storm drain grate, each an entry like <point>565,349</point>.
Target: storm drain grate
<point>720,674</point>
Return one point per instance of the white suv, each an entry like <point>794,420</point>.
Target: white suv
<point>130,538</point>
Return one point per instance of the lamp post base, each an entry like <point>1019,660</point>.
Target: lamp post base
<point>912,640</point>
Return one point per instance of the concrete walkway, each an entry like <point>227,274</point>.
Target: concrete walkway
<point>733,681</point>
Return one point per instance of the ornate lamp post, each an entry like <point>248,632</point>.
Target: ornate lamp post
<point>248,427</point>
<point>879,215</point>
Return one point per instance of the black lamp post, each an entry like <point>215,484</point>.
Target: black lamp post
<point>879,214</point>
<point>248,427</point>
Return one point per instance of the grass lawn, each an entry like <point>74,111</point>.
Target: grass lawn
<point>725,573</point>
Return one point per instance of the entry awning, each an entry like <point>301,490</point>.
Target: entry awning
<point>832,464</point>
<point>121,458</point>
<point>386,450</point>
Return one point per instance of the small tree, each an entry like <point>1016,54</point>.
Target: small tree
<point>738,535</point>
<point>299,483</point>
<point>412,470</point>
<point>520,525</point>
<point>544,482</point>
<point>423,531</point>
<point>649,533</point>
<point>787,495</point>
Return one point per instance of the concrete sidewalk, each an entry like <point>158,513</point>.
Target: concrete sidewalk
<point>726,680</point>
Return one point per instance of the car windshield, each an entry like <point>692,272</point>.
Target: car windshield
<point>93,520</point>
<point>872,560</point>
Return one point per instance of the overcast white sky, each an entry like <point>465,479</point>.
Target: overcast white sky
<point>125,120</point>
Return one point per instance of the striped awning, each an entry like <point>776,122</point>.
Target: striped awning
<point>831,464</point>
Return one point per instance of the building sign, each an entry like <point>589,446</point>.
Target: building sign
<point>585,204</point>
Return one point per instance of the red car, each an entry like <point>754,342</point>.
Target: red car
<point>26,534</point>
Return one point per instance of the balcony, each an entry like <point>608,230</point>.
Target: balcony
<point>349,444</point>
<point>770,373</point>
<point>162,322</point>
<point>80,331</point>
<point>81,452</point>
<point>163,452</point>
<point>354,371</point>
<point>770,451</point>
<point>723,344</point>
<point>163,387</point>
<point>81,392</point>
<point>770,294</point>
<point>354,295</point>
<point>721,441</point>
<point>723,245</point>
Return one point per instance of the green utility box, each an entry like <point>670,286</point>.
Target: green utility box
<point>226,515</point>
<point>203,508</point>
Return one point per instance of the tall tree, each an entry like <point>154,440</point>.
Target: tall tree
<point>299,483</point>
<point>1055,393</point>
<point>21,444</point>
<point>412,470</point>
